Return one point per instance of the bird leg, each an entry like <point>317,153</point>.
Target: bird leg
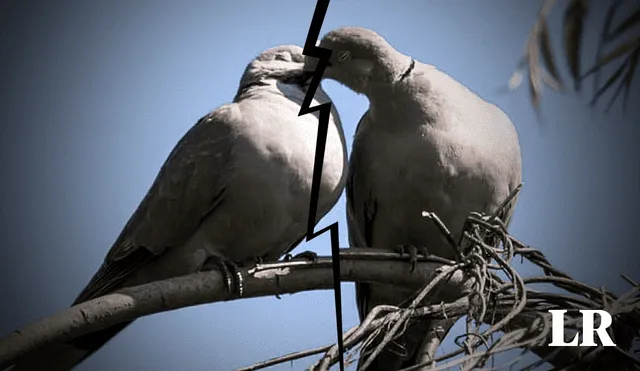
<point>309,255</point>
<point>259,259</point>
<point>413,251</point>
<point>229,270</point>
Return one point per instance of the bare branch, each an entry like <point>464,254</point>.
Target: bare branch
<point>510,306</point>
<point>208,287</point>
<point>468,287</point>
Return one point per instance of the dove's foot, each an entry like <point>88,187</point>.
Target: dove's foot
<point>230,272</point>
<point>413,251</point>
<point>259,259</point>
<point>309,255</point>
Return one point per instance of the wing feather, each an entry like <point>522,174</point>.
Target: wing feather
<point>360,209</point>
<point>188,187</point>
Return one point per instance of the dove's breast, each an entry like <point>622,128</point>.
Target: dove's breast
<point>467,160</point>
<point>270,182</point>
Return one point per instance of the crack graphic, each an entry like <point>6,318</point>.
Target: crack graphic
<point>310,49</point>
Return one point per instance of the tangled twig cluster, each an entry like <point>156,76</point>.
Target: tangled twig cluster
<point>501,298</point>
<point>481,284</point>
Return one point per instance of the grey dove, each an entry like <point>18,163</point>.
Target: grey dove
<point>235,189</point>
<point>426,143</point>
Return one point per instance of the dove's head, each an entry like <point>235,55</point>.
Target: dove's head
<point>282,63</point>
<point>360,57</point>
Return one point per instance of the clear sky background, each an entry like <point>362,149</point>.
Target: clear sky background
<point>95,94</point>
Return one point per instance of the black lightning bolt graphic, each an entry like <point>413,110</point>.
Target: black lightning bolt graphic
<point>311,50</point>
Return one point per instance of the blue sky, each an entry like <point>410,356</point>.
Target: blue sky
<point>94,95</point>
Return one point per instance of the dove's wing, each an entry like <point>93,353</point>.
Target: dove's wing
<point>189,186</point>
<point>360,208</point>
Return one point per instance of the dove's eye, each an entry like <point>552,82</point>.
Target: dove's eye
<point>283,57</point>
<point>344,55</point>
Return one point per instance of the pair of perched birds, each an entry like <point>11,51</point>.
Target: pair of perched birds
<point>236,187</point>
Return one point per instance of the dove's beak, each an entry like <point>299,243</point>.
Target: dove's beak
<point>298,76</point>
<point>310,64</point>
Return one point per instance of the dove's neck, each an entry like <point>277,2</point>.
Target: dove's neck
<point>392,67</point>
<point>396,65</point>
<point>250,88</point>
<point>261,80</point>
<point>414,93</point>
<point>292,91</point>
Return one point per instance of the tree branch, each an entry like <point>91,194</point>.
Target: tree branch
<point>364,265</point>
<point>208,287</point>
<point>468,286</point>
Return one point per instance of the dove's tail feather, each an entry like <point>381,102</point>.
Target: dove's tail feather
<point>65,356</point>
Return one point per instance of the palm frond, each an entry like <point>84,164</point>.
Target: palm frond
<point>608,84</point>
<point>615,43</point>
<point>620,51</point>
<point>548,58</point>
<point>626,25</point>
<point>633,63</point>
<point>574,18</point>
<point>629,49</point>
<point>604,36</point>
<point>539,43</point>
